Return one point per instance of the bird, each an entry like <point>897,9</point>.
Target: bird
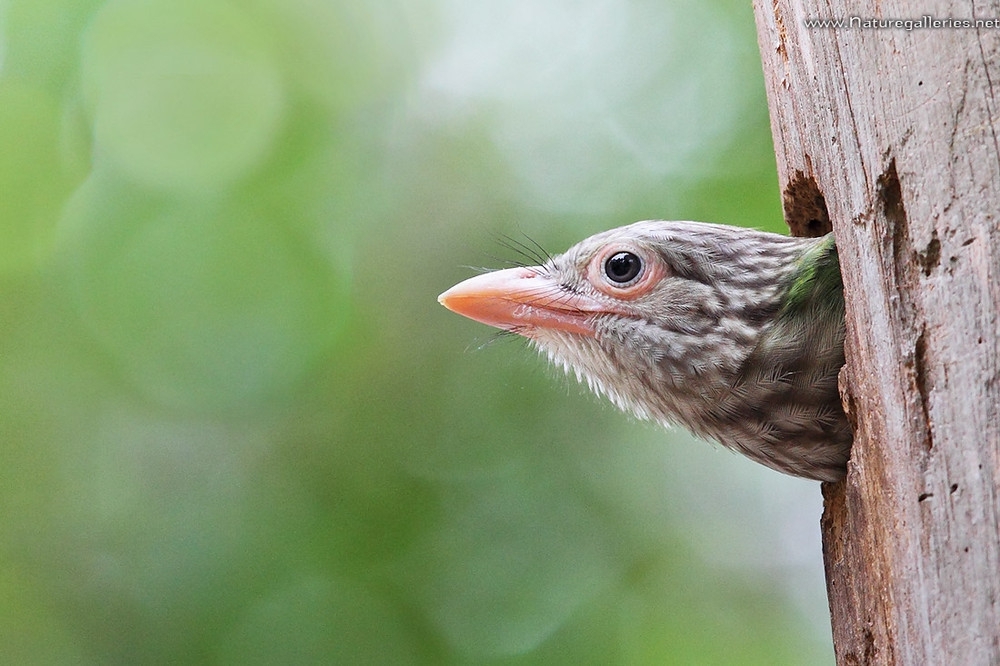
<point>733,333</point>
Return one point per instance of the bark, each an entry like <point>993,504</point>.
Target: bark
<point>892,135</point>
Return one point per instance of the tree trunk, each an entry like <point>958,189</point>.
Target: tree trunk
<point>892,134</point>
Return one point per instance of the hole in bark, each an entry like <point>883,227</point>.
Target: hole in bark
<point>922,496</point>
<point>953,488</point>
<point>931,256</point>
<point>805,207</point>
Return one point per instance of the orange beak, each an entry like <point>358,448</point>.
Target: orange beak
<point>522,300</point>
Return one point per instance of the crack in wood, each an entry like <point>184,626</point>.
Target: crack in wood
<point>905,260</point>
<point>990,100</point>
<point>890,193</point>
<point>925,384</point>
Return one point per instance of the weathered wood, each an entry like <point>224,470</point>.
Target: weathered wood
<point>894,133</point>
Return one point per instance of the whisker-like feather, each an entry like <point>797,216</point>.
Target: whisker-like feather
<point>524,250</point>
<point>542,251</point>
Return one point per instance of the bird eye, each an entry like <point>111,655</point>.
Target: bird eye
<point>622,267</point>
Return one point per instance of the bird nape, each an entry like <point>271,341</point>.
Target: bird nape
<point>736,334</point>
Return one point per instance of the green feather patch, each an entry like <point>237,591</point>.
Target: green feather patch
<point>817,280</point>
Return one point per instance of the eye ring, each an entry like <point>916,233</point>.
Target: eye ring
<point>623,268</point>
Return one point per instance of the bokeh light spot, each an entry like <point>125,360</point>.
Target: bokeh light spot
<point>31,182</point>
<point>317,620</point>
<point>204,306</point>
<point>512,562</point>
<point>184,95</point>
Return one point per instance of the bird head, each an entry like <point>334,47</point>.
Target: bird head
<point>666,319</point>
<point>675,304</point>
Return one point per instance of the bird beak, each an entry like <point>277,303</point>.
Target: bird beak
<point>522,300</point>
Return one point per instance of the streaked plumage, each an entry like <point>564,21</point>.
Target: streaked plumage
<point>733,333</point>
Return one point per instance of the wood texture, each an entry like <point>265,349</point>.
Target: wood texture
<point>893,134</point>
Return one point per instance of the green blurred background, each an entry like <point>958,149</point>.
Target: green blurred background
<point>236,427</point>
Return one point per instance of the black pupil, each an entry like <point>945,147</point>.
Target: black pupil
<point>622,267</point>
